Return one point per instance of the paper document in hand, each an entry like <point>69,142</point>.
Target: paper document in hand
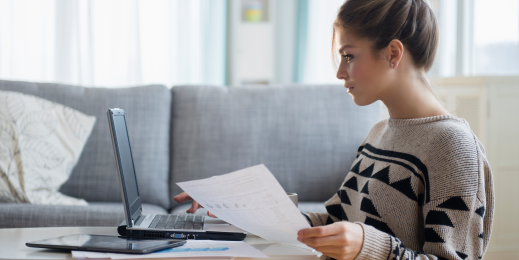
<point>251,199</point>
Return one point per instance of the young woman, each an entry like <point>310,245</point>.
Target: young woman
<point>421,186</point>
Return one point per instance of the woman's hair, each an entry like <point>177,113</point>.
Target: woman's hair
<point>411,21</point>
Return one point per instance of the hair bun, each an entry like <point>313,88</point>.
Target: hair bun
<point>413,22</point>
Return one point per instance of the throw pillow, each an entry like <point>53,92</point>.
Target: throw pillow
<point>40,143</point>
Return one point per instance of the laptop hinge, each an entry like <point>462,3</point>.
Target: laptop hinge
<point>136,217</point>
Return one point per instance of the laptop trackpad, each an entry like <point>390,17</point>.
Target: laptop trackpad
<point>222,227</point>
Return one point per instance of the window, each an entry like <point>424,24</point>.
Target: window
<point>496,37</point>
<point>477,37</point>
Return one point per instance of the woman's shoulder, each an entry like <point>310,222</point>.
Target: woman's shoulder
<point>454,158</point>
<point>442,128</point>
<point>378,127</point>
<point>431,136</point>
<point>443,147</point>
<point>453,132</point>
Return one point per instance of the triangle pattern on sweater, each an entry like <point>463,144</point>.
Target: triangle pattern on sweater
<point>435,217</point>
<point>356,167</point>
<point>335,210</point>
<point>455,203</point>
<point>481,211</point>
<point>368,171</point>
<point>365,189</point>
<point>344,197</point>
<point>432,237</point>
<point>382,175</point>
<point>352,184</point>
<point>367,206</point>
<point>404,186</point>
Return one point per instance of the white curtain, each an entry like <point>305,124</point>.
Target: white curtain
<point>114,43</point>
<point>318,67</point>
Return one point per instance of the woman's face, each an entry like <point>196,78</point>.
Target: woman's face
<point>364,73</point>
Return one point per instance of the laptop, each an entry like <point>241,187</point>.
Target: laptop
<point>139,225</point>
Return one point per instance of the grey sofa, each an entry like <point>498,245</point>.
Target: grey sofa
<point>306,135</point>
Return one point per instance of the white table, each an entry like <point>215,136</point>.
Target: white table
<point>12,243</point>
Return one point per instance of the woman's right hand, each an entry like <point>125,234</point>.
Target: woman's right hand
<point>183,197</point>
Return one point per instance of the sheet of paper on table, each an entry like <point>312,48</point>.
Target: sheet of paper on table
<point>88,254</point>
<point>253,200</point>
<point>193,249</point>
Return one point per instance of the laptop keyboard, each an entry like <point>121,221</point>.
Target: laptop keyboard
<point>178,222</point>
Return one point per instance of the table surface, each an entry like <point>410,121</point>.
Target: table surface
<point>12,243</point>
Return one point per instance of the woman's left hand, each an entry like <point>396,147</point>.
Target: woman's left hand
<point>340,240</point>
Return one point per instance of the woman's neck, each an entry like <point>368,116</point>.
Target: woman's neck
<point>411,97</point>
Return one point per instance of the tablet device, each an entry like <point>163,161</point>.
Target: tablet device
<point>112,244</point>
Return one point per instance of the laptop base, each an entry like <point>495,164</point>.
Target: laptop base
<point>207,235</point>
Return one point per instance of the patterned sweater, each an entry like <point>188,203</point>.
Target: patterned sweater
<point>421,189</point>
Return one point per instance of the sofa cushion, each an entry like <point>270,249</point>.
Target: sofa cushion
<point>304,206</point>
<point>148,117</point>
<point>95,214</point>
<point>307,136</point>
<point>316,207</point>
<point>40,143</point>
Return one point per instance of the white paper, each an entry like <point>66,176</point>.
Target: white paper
<point>253,200</point>
<point>78,254</point>
<point>89,254</point>
<point>202,249</point>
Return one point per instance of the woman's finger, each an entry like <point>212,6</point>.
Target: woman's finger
<point>321,231</point>
<point>194,207</point>
<point>333,241</point>
<point>182,197</point>
<point>211,214</point>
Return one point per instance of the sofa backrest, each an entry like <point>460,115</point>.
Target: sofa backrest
<point>148,108</point>
<point>307,136</point>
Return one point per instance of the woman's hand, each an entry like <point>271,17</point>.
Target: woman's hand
<point>340,240</point>
<point>183,197</point>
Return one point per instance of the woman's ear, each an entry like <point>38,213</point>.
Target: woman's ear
<point>395,53</point>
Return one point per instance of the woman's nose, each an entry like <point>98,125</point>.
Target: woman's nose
<point>342,73</point>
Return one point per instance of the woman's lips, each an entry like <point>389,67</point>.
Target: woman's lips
<point>349,88</point>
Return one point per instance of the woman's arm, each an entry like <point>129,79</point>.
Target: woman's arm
<point>453,229</point>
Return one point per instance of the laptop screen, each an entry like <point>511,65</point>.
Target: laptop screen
<point>126,160</point>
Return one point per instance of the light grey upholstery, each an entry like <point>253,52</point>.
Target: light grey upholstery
<point>307,136</point>
<point>303,206</point>
<point>95,214</point>
<point>95,178</point>
<point>312,207</point>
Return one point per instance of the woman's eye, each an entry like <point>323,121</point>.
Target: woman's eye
<point>348,57</point>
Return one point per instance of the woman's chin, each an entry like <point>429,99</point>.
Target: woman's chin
<point>361,101</point>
